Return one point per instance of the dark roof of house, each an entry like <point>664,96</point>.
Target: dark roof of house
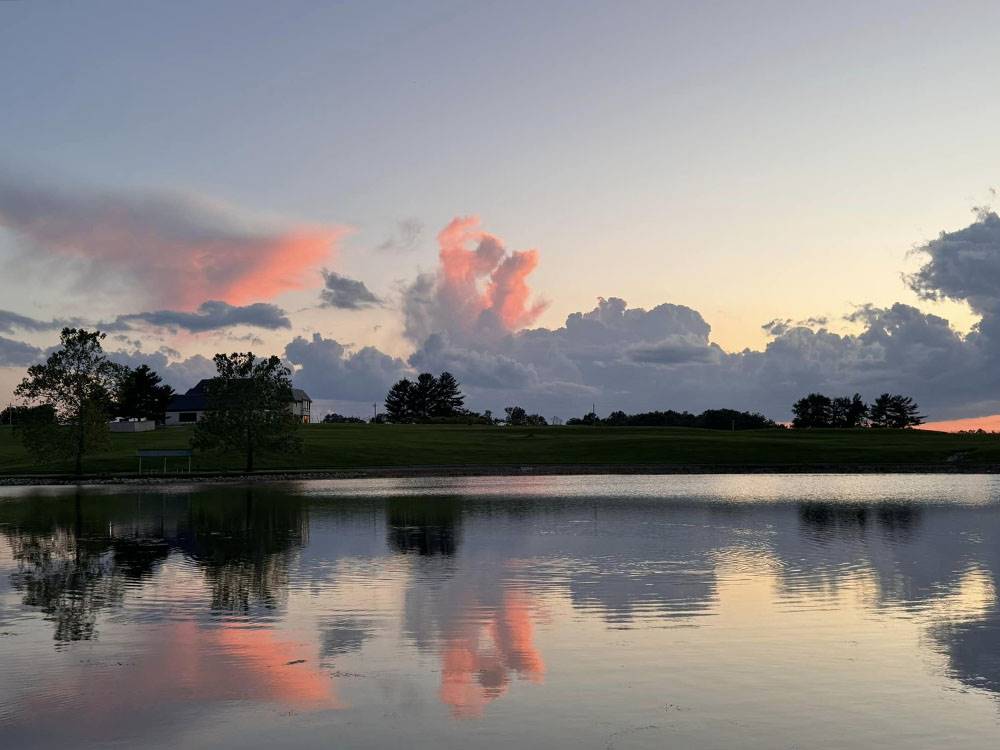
<point>196,399</point>
<point>189,401</point>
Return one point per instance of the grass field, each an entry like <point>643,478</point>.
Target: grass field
<point>369,446</point>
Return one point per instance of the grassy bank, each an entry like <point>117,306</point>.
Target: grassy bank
<point>345,447</point>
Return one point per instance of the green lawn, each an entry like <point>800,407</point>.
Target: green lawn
<point>357,446</point>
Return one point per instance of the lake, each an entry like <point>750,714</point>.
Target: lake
<point>509,612</point>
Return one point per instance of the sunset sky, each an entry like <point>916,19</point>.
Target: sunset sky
<point>642,205</point>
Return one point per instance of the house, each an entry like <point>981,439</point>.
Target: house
<point>191,406</point>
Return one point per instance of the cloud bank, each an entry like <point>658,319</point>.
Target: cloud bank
<point>174,249</point>
<point>472,317</point>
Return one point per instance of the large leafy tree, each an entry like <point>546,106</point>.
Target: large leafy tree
<point>895,411</point>
<point>248,408</point>
<point>77,381</point>
<point>848,411</point>
<point>141,393</point>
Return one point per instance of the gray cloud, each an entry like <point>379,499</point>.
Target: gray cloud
<point>345,293</point>
<point>963,265</point>
<point>181,374</point>
<point>11,321</point>
<point>326,369</point>
<point>405,238</point>
<point>17,353</point>
<point>210,316</point>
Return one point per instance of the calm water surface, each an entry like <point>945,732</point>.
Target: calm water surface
<point>576,612</point>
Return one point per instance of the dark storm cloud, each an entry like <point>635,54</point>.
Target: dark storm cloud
<point>345,293</point>
<point>210,316</point>
<point>963,265</point>
<point>11,321</point>
<point>17,353</point>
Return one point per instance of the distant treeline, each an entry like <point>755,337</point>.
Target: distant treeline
<point>710,419</point>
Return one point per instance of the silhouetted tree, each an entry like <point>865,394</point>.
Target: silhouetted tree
<point>19,415</point>
<point>398,401</point>
<point>77,380</point>
<point>422,404</point>
<point>448,399</point>
<point>848,411</point>
<point>812,411</point>
<point>895,411</point>
<point>425,400</point>
<point>248,408</point>
<point>334,418</point>
<point>516,416</point>
<point>141,393</point>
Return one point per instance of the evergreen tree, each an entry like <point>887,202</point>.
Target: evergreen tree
<point>423,397</point>
<point>398,402</point>
<point>141,394</point>
<point>895,411</point>
<point>448,400</point>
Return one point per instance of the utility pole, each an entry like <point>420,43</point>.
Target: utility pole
<point>374,412</point>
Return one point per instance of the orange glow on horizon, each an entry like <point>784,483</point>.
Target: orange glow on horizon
<point>989,423</point>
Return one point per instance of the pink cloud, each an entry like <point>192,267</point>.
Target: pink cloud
<point>176,250</point>
<point>476,276</point>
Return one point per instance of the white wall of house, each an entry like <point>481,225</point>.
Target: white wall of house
<point>140,425</point>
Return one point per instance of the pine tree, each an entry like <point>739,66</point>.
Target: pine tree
<point>398,401</point>
<point>448,400</point>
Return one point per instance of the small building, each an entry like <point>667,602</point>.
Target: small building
<point>190,407</point>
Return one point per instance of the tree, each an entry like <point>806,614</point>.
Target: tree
<point>423,397</point>
<point>248,408</point>
<point>19,415</point>
<point>334,418</point>
<point>77,380</point>
<point>516,416</point>
<point>812,411</point>
<point>857,414</point>
<point>895,411</point>
<point>141,394</point>
<point>427,399</point>
<point>448,399</point>
<point>398,401</point>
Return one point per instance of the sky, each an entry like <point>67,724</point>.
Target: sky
<point>512,191</point>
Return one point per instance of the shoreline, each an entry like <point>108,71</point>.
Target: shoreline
<point>445,471</point>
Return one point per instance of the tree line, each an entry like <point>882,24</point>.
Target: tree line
<point>889,410</point>
<point>710,419</point>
